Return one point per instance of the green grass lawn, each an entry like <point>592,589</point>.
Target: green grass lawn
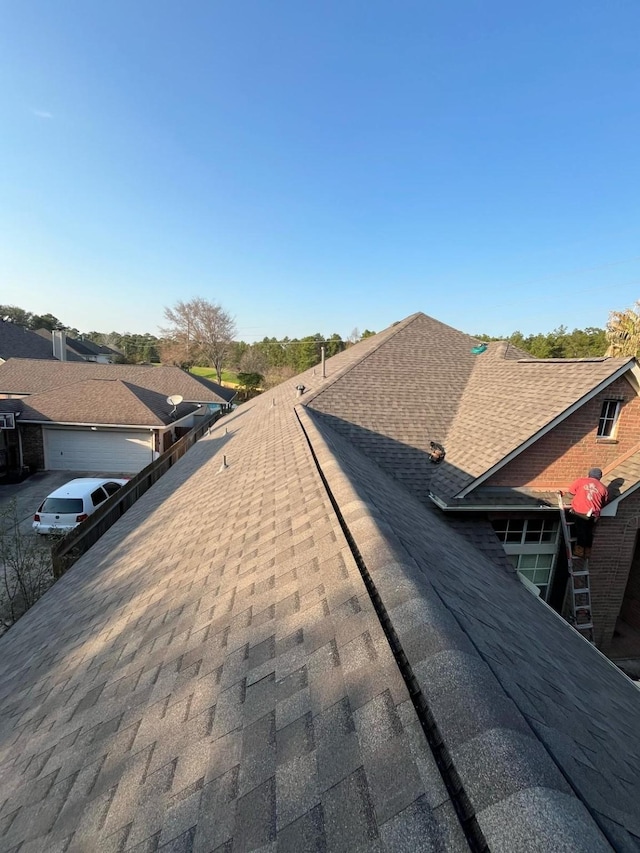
<point>209,373</point>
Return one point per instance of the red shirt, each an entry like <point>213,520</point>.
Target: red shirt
<point>590,496</point>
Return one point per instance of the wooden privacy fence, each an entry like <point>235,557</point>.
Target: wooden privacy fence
<point>72,546</point>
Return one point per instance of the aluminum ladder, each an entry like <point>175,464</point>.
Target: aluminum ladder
<point>579,583</point>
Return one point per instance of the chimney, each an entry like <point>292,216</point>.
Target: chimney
<point>59,341</point>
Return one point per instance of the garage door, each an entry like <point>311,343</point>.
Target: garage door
<point>96,450</point>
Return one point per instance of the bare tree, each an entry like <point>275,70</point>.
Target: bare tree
<point>201,331</point>
<point>254,360</point>
<point>276,375</point>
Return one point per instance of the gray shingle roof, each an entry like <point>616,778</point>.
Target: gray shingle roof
<point>214,670</point>
<point>32,376</point>
<point>508,401</point>
<point>402,395</point>
<point>213,675</point>
<point>19,342</point>
<point>533,715</point>
<point>421,383</point>
<point>102,401</point>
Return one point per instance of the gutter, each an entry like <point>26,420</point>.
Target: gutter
<point>445,507</point>
<point>64,424</point>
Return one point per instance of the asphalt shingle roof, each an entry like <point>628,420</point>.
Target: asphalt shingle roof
<point>102,401</point>
<point>34,376</point>
<point>223,677</point>
<point>513,687</point>
<point>401,396</point>
<point>216,675</point>
<point>422,383</point>
<point>507,402</point>
<point>19,342</point>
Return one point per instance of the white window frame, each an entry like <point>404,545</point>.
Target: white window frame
<point>608,418</point>
<point>517,549</point>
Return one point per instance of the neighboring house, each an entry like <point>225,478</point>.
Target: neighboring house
<point>91,417</point>
<point>83,349</point>
<point>20,342</point>
<point>91,351</point>
<point>282,647</point>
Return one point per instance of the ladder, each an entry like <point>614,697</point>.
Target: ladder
<point>579,586</point>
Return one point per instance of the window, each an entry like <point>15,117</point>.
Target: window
<point>536,568</point>
<point>98,497</point>
<point>531,545</point>
<point>62,505</point>
<point>520,531</point>
<point>608,418</point>
<point>111,488</point>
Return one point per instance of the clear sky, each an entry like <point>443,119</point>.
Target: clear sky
<point>320,166</point>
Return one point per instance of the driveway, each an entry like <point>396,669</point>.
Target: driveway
<point>30,493</point>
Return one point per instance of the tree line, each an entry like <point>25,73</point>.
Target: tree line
<point>201,333</point>
<point>560,343</point>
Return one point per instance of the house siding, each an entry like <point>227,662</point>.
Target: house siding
<point>571,448</point>
<point>609,566</point>
<point>567,452</point>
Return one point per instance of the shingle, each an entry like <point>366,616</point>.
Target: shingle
<point>250,693</point>
<point>539,819</point>
<point>349,821</point>
<point>306,833</point>
<point>255,817</point>
<point>499,763</point>
<point>412,830</point>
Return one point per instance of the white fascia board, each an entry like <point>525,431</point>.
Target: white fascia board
<point>610,510</point>
<point>631,367</point>
<point>65,424</point>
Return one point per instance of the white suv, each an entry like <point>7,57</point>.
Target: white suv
<point>69,505</point>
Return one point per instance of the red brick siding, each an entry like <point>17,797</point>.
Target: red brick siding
<point>630,611</point>
<point>613,548</point>
<point>571,448</point>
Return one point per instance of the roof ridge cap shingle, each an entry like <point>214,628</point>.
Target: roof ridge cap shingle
<point>393,570</point>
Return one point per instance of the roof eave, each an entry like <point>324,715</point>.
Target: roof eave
<point>445,507</point>
<point>97,424</point>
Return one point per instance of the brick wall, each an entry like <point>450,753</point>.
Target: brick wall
<point>610,562</point>
<point>569,450</point>
<point>32,446</point>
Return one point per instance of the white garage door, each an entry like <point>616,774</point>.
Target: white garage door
<point>96,450</point>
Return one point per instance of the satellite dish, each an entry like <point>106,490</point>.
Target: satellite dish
<point>174,400</point>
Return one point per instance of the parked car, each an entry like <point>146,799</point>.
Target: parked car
<point>68,506</point>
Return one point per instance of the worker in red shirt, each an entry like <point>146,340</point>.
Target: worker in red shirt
<point>589,498</point>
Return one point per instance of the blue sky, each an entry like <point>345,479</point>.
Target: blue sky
<point>320,166</point>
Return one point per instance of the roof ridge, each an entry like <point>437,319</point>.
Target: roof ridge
<point>392,330</point>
